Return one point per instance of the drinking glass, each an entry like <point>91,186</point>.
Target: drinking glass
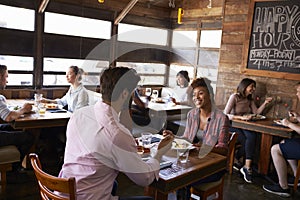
<point>155,94</point>
<point>146,139</point>
<point>37,99</point>
<point>41,109</point>
<point>148,92</point>
<point>182,155</point>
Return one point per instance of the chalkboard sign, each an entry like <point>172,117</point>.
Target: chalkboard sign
<point>274,39</point>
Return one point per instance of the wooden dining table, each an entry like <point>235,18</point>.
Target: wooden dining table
<point>181,175</point>
<point>167,108</point>
<point>268,129</point>
<point>33,120</point>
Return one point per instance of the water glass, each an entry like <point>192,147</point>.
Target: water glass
<point>41,109</point>
<point>148,92</point>
<point>37,99</point>
<point>182,155</point>
<point>146,139</point>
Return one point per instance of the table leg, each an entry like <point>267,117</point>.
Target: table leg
<point>36,133</point>
<point>265,151</point>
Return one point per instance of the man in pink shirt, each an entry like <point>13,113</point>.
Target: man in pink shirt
<point>98,146</point>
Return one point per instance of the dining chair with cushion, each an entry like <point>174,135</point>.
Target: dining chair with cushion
<point>8,155</point>
<point>204,190</point>
<point>52,187</point>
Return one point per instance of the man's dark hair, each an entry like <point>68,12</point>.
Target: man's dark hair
<point>113,81</point>
<point>3,69</point>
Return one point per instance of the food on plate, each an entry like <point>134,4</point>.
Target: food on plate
<point>159,100</point>
<point>17,107</point>
<point>278,122</point>
<point>51,106</point>
<point>256,116</point>
<point>181,144</point>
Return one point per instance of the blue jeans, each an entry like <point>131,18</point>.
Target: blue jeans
<point>247,140</point>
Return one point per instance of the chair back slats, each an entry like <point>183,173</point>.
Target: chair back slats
<point>231,151</point>
<point>48,183</point>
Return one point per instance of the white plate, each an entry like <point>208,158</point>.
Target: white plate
<point>256,116</point>
<point>278,122</point>
<point>181,144</point>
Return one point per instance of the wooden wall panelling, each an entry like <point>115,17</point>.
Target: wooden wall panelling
<point>229,66</point>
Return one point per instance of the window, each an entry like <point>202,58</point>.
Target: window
<point>141,34</point>
<point>55,68</point>
<point>77,26</point>
<point>210,43</point>
<point>18,63</point>
<point>16,18</point>
<point>184,39</point>
<point>151,73</point>
<point>211,38</point>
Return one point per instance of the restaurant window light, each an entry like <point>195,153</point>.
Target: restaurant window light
<point>184,39</point>
<point>142,34</point>
<point>16,18</point>
<point>210,38</point>
<point>55,69</point>
<point>77,26</point>
<point>20,69</point>
<point>151,73</point>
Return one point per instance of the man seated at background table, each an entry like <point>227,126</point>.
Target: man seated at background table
<point>99,147</point>
<point>9,136</point>
<point>288,149</point>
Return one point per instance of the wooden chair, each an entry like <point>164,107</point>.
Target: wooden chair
<point>231,151</point>
<point>204,190</point>
<point>8,155</point>
<point>297,177</point>
<point>50,185</point>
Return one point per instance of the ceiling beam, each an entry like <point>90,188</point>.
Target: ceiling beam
<point>125,11</point>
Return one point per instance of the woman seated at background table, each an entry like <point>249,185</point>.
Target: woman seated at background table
<point>77,96</point>
<point>288,149</point>
<point>181,94</point>
<point>238,106</point>
<point>207,126</point>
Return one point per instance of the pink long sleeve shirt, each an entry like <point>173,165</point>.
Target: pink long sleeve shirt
<point>97,148</point>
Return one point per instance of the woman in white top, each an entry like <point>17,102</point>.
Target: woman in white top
<point>182,89</point>
<point>77,96</point>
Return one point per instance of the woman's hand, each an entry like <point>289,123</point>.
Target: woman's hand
<point>294,116</point>
<point>285,122</point>
<point>268,100</point>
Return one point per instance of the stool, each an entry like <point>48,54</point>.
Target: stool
<point>8,155</point>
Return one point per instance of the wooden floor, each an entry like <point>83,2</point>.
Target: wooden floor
<point>24,187</point>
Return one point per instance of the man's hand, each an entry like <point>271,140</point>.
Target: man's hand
<point>26,108</point>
